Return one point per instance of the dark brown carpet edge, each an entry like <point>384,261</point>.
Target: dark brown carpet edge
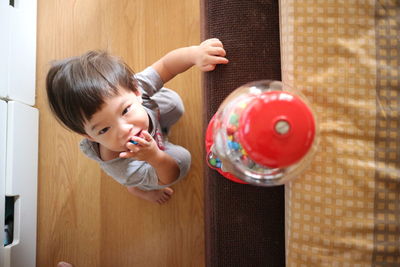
<point>244,224</point>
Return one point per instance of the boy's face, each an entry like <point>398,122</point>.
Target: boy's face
<point>120,118</point>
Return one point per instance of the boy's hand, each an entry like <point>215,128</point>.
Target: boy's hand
<point>144,150</point>
<point>205,56</point>
<point>147,150</point>
<point>210,53</point>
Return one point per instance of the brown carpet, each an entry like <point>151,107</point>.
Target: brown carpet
<point>244,223</point>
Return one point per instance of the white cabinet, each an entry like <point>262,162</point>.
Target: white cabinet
<point>3,140</point>
<point>18,133</point>
<point>18,50</point>
<point>21,182</point>
<point>4,46</point>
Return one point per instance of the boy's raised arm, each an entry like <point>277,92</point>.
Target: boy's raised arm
<point>205,56</point>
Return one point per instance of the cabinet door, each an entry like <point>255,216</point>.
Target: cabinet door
<point>4,46</point>
<point>19,41</point>
<point>21,181</point>
<point>3,124</point>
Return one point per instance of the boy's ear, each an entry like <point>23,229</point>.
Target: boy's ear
<point>138,94</point>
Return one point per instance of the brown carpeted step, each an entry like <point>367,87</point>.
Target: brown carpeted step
<point>244,223</point>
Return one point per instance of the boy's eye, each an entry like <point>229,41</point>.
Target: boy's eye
<point>104,130</point>
<point>126,110</point>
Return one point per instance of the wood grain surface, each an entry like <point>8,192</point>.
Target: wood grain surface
<point>85,217</point>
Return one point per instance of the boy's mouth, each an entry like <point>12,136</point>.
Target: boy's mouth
<point>138,135</point>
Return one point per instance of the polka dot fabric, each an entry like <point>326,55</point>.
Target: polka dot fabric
<point>344,57</point>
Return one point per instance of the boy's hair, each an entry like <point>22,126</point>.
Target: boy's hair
<point>76,87</point>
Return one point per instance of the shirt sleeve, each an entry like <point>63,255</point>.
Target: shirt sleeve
<point>149,81</point>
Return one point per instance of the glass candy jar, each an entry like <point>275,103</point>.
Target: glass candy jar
<point>262,134</point>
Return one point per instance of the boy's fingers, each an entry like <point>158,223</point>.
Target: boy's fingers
<point>209,67</point>
<point>219,60</point>
<point>147,136</point>
<point>133,144</point>
<point>218,51</point>
<point>211,40</point>
<point>217,43</point>
<point>142,140</point>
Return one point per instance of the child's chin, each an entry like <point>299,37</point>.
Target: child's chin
<point>117,149</point>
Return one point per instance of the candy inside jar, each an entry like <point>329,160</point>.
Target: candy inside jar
<point>261,135</point>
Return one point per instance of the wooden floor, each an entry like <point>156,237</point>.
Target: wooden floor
<point>84,217</point>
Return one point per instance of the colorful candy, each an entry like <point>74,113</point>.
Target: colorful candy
<point>214,161</point>
<point>233,140</point>
<point>133,142</point>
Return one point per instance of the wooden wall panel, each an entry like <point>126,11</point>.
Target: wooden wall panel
<point>84,217</point>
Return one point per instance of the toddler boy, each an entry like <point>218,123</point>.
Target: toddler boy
<point>124,117</point>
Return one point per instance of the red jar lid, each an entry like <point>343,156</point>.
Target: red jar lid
<point>276,129</point>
